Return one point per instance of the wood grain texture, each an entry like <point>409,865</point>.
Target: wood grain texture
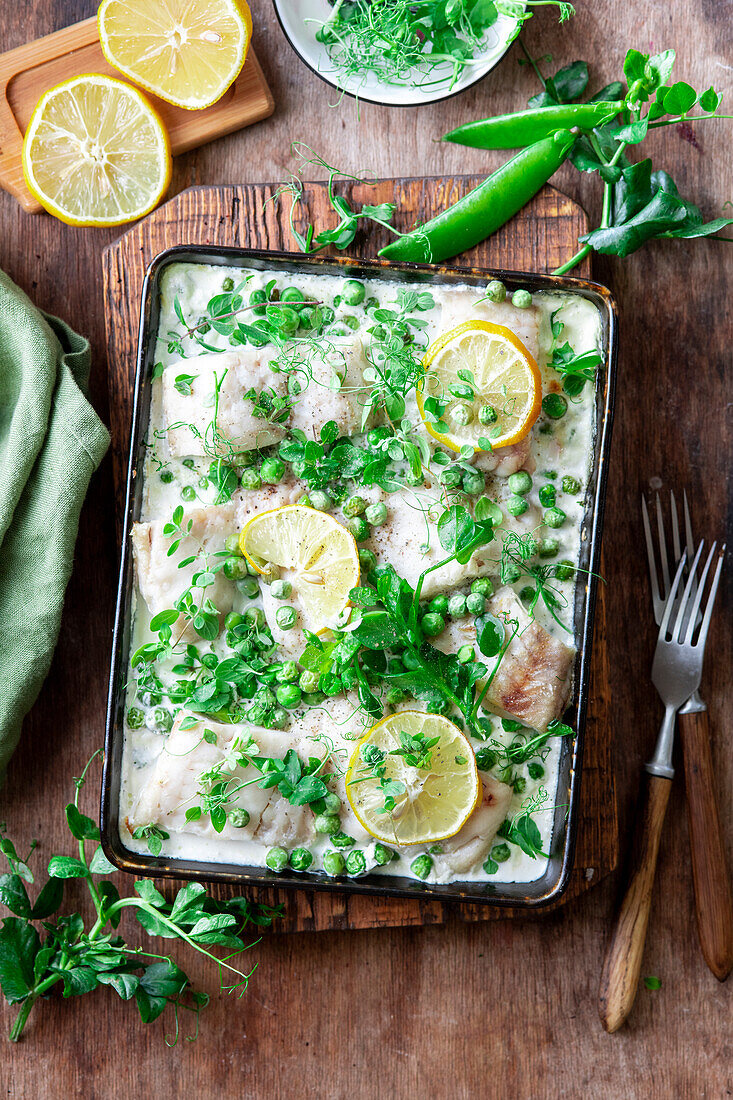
<point>537,239</point>
<point>458,1010</point>
<point>622,964</point>
<point>28,71</point>
<point>713,894</point>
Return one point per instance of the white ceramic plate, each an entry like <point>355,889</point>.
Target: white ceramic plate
<point>295,19</point>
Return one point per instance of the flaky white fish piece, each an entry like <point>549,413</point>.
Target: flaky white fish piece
<point>189,417</point>
<point>470,846</point>
<point>174,782</point>
<point>534,677</point>
<point>506,460</point>
<point>331,376</point>
<point>159,579</point>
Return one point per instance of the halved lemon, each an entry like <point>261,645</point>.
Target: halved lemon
<point>438,799</point>
<point>319,550</point>
<point>95,152</point>
<point>507,385</point>
<point>187,52</point>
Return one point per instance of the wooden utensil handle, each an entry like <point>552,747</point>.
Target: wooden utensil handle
<point>713,894</point>
<point>622,964</point>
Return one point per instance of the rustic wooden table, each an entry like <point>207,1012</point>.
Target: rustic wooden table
<point>507,1008</point>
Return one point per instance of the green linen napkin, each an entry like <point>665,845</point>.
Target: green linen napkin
<point>51,442</point>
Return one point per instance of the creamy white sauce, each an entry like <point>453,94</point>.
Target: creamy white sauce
<point>567,451</point>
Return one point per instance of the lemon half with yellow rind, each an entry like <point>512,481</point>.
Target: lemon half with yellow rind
<point>95,152</point>
<point>187,52</point>
<point>438,800</point>
<point>319,551</point>
<point>506,378</point>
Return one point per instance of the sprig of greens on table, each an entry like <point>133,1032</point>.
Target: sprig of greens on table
<point>407,42</point>
<point>65,950</point>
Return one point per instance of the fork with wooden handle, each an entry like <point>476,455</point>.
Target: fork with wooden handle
<point>712,881</point>
<point>676,673</point>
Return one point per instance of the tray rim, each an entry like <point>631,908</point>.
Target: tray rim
<point>500,895</point>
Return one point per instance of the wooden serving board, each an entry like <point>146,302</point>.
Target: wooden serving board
<point>29,71</point>
<point>540,238</point>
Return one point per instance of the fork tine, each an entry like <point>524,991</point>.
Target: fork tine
<point>670,599</point>
<point>688,527</point>
<point>653,578</point>
<point>702,636</point>
<point>680,618</point>
<point>676,548</point>
<point>662,548</point>
<point>697,597</point>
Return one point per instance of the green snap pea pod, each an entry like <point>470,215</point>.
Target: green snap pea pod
<point>482,211</point>
<point>525,127</point>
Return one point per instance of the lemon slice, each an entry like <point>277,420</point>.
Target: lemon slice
<point>507,382</point>
<point>438,800</point>
<point>187,52</point>
<point>318,549</point>
<point>95,152</point>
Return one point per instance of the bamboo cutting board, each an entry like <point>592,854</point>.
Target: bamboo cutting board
<point>29,71</point>
<point>540,238</point>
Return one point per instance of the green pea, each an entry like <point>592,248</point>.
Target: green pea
<point>570,485</point>
<point>272,470</point>
<point>500,853</point>
<point>376,514</point>
<point>351,322</point>
<point>549,548</point>
<point>188,493</point>
<point>235,569</point>
<point>371,303</point>
<point>410,661</point>
<point>327,823</point>
<point>511,573</point>
<point>439,604</point>
<point>554,517</point>
<point>465,654</point>
<point>227,285</point>
<point>460,415</point>
<point>249,587</point>
<point>288,673</point>
<point>231,543</point>
<point>565,570</point>
<point>474,482</point>
<point>383,854</point>
<point>291,294</point>
<point>135,718</point>
<point>353,292</point>
<point>257,714</point>
<point>451,477</point>
<point>457,606</point>
<point>255,616</point>
<point>520,482</point>
<point>327,315</point>
<point>367,560</point>
<point>526,594</point>
<point>421,866</point>
<point>334,863</point>
<point>395,696</point>
<point>354,506</point>
<point>232,620</point>
<point>307,318</point>
<point>483,585</point>
<point>476,603</point>
<point>356,862</point>
<point>495,291</point>
<point>159,720</point>
<point>281,590</point>
<point>288,695</point>
<point>277,859</point>
<point>341,840</point>
<point>536,771</point>
<point>238,818</point>
<point>166,476</point>
<point>279,719</point>
<point>519,784</point>
<point>320,500</point>
<point>487,414</point>
<point>300,859</point>
<point>331,684</point>
<point>485,759</point>
<point>359,528</point>
<point>250,479</point>
<point>432,624</point>
<point>246,458</point>
<point>516,505</point>
<point>257,298</point>
<point>522,299</point>
<point>554,405</point>
<point>285,617</point>
<point>548,496</point>
<point>308,681</point>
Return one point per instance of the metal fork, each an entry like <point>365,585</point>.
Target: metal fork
<point>713,891</point>
<point>676,673</point>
